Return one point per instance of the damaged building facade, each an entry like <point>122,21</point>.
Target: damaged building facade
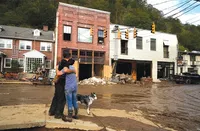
<point>147,55</point>
<point>85,32</point>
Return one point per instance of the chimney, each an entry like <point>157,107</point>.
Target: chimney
<point>45,28</point>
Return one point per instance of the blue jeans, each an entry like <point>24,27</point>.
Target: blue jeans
<point>71,98</point>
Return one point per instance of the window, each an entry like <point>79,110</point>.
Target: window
<point>166,51</point>
<point>48,64</point>
<point>7,62</point>
<point>124,47</point>
<point>153,44</point>
<point>67,33</point>
<point>139,42</point>
<point>100,36</point>
<point>192,58</point>
<point>25,45</point>
<point>84,35</point>
<point>45,46</point>
<point>21,62</point>
<point>5,44</point>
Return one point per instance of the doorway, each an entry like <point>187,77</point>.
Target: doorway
<point>85,71</point>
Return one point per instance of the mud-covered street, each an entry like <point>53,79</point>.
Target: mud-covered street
<point>166,104</point>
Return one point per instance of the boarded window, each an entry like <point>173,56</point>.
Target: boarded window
<point>84,35</point>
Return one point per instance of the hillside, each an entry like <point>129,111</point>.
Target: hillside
<point>36,13</point>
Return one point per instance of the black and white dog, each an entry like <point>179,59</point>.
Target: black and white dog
<point>87,100</point>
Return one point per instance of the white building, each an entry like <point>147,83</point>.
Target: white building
<point>189,62</point>
<point>147,55</point>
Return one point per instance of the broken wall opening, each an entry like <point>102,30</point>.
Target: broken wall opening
<point>98,70</point>
<point>124,67</point>
<point>165,69</point>
<point>85,71</point>
<point>143,69</point>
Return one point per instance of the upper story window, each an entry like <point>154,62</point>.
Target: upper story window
<point>166,51</point>
<point>153,44</point>
<point>124,47</point>
<point>36,32</point>
<point>7,62</point>
<point>5,44</point>
<point>100,36</point>
<point>67,31</point>
<point>45,46</point>
<point>84,35</point>
<point>25,45</point>
<point>139,42</point>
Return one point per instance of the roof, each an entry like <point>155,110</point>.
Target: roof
<point>34,54</point>
<point>81,7</point>
<point>190,53</point>
<point>24,33</point>
<point>2,54</point>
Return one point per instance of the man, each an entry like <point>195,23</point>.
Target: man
<point>58,102</point>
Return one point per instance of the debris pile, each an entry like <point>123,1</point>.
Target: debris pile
<point>122,78</point>
<point>146,80</point>
<point>95,81</point>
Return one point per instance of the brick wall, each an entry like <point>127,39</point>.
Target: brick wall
<point>82,17</point>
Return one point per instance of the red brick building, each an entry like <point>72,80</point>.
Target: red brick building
<point>27,46</point>
<point>85,32</point>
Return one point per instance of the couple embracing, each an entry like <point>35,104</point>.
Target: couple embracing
<point>65,89</point>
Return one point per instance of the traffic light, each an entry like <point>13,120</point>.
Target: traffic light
<point>105,33</point>
<point>127,34</point>
<point>134,33</point>
<point>118,34</point>
<point>153,28</point>
<point>91,31</point>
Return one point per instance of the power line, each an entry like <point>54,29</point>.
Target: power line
<point>162,2</point>
<point>195,21</point>
<point>177,7</point>
<point>191,18</point>
<point>173,6</point>
<point>188,10</point>
<point>184,9</point>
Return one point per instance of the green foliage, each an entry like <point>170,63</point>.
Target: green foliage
<point>15,66</point>
<point>182,48</point>
<point>36,13</point>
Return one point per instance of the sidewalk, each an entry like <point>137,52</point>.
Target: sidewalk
<point>27,116</point>
<point>5,81</point>
<point>36,115</point>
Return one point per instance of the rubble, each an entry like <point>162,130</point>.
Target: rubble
<point>118,78</point>
<point>122,78</point>
<point>95,81</point>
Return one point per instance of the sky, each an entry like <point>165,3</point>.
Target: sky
<point>191,17</point>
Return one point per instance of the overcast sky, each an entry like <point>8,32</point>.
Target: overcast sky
<point>166,6</point>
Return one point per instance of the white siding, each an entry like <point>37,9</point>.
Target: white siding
<point>145,53</point>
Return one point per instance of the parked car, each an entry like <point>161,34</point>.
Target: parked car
<point>187,78</point>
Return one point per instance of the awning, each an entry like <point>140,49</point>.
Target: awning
<point>34,54</point>
<point>2,54</point>
<point>166,42</point>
